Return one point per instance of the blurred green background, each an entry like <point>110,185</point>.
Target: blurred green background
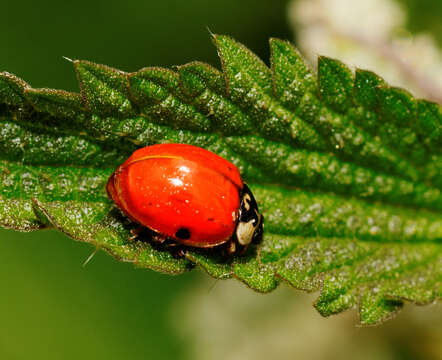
<point>53,308</point>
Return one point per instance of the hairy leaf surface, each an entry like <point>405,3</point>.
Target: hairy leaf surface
<point>346,169</point>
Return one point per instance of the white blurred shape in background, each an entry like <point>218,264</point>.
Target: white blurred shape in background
<point>228,321</point>
<point>369,34</point>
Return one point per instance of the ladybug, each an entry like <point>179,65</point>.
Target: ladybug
<point>187,195</point>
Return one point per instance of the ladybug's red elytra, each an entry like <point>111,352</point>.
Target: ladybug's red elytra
<point>187,195</point>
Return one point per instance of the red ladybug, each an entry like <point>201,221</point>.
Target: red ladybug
<point>187,195</point>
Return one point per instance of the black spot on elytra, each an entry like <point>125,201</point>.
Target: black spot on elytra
<point>183,233</point>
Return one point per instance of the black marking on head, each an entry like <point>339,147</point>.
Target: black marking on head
<point>183,233</point>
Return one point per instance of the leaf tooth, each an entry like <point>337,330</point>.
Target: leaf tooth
<point>236,58</point>
<point>429,123</point>
<point>157,91</point>
<point>292,78</point>
<point>196,76</point>
<point>258,277</point>
<point>335,84</point>
<point>375,308</point>
<point>58,103</point>
<point>365,88</point>
<point>397,105</point>
<point>105,90</point>
<point>12,90</point>
<point>205,88</point>
<point>398,116</point>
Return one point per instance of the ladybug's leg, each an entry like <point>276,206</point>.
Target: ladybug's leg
<point>158,238</point>
<point>172,245</point>
<point>231,246</point>
<point>243,249</point>
<point>181,253</point>
<point>176,249</point>
<point>135,232</point>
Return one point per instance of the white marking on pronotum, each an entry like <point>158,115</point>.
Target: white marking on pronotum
<point>244,232</point>
<point>246,201</point>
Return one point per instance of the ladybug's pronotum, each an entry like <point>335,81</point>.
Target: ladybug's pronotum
<point>187,195</point>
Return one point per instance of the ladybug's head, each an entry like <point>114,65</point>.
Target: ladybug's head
<point>250,221</point>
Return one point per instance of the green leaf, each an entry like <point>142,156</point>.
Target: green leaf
<point>346,170</point>
<point>335,84</point>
